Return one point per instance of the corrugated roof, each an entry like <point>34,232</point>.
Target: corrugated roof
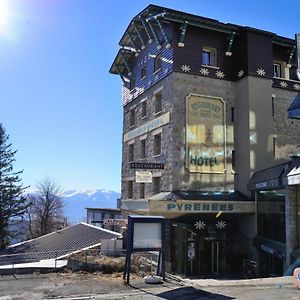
<point>57,244</point>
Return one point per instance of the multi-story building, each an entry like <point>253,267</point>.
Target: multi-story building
<point>205,106</point>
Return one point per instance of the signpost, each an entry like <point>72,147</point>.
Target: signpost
<point>145,233</point>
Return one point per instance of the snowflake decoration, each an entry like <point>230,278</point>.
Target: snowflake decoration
<point>283,84</point>
<point>241,73</point>
<point>297,86</point>
<point>185,68</point>
<point>204,71</point>
<point>220,74</point>
<point>200,225</point>
<point>221,225</point>
<point>261,72</point>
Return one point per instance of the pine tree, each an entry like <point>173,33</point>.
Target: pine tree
<point>12,202</point>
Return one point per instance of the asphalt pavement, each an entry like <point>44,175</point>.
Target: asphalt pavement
<point>97,286</point>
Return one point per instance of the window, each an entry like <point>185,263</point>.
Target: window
<point>143,148</point>
<point>233,161</point>
<point>277,70</point>
<point>157,144</point>
<point>157,102</point>
<point>130,152</point>
<point>143,72</point>
<point>131,117</point>
<point>130,189</point>
<point>132,83</point>
<point>274,147</point>
<point>273,107</point>
<point>144,109</point>
<point>232,114</point>
<point>157,62</point>
<point>209,57</point>
<point>142,190</point>
<point>156,185</point>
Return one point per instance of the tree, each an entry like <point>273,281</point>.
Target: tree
<point>45,213</point>
<point>12,202</point>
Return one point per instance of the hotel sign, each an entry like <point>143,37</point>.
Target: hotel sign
<point>185,206</point>
<point>149,126</point>
<point>143,177</point>
<point>205,134</point>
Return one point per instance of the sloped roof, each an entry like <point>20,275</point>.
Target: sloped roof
<point>57,244</point>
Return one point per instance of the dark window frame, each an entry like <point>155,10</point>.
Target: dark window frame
<point>209,56</point>
<point>157,63</point>
<point>130,152</point>
<point>157,144</point>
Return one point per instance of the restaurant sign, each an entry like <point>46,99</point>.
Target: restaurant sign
<point>137,165</point>
<point>205,134</point>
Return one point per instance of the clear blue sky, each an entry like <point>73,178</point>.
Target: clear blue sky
<point>60,106</point>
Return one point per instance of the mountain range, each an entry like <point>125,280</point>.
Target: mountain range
<point>76,202</point>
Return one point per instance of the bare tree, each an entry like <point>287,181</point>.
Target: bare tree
<point>45,213</point>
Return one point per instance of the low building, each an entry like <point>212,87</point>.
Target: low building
<point>108,218</point>
<point>204,107</point>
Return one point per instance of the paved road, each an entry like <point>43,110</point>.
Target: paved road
<point>97,286</point>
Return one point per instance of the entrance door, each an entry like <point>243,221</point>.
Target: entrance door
<point>209,258</point>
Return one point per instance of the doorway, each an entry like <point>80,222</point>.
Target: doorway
<point>209,258</point>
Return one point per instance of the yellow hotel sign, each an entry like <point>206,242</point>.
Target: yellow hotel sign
<point>205,134</point>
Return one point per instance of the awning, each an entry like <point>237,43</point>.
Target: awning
<point>294,109</point>
<point>270,178</point>
<point>270,246</point>
<point>292,175</point>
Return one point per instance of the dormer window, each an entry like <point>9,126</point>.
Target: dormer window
<point>157,62</point>
<point>132,83</point>
<point>209,57</point>
<point>143,72</point>
<point>277,72</point>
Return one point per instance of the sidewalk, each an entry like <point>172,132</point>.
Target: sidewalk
<point>270,281</point>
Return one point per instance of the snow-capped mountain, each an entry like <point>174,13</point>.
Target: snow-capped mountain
<point>76,202</point>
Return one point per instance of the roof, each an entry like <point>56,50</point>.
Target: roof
<point>268,178</point>
<point>57,244</point>
<point>141,30</point>
<point>196,195</point>
<point>104,209</point>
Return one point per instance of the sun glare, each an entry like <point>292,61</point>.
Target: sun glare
<point>4,16</point>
